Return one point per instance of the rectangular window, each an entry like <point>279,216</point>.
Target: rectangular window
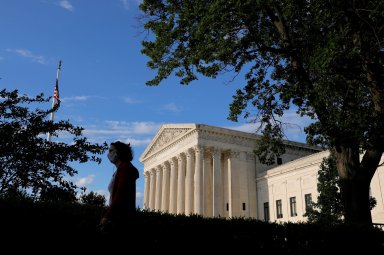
<point>227,206</point>
<point>266,211</point>
<point>308,201</point>
<point>292,202</point>
<point>243,206</point>
<point>279,209</point>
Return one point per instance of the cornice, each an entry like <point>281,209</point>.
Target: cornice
<point>171,135</point>
<point>294,165</point>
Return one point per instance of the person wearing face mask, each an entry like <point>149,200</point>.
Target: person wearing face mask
<point>122,188</point>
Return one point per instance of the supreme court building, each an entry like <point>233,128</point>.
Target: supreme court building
<point>213,172</point>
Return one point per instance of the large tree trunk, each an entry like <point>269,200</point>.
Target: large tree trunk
<point>355,180</point>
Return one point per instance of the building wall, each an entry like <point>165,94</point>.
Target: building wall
<point>298,178</point>
<point>229,168</point>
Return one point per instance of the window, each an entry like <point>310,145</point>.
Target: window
<point>279,161</point>
<point>279,209</point>
<point>266,211</point>
<point>292,202</point>
<point>308,201</point>
<point>227,206</point>
<point>243,206</point>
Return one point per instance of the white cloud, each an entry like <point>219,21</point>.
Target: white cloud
<point>28,54</point>
<point>248,127</point>
<point>130,100</point>
<point>138,142</point>
<point>66,5</point>
<point>74,98</point>
<point>293,126</point>
<point>172,107</point>
<point>125,4</point>
<point>132,127</point>
<point>85,180</point>
<point>139,199</point>
<point>136,133</point>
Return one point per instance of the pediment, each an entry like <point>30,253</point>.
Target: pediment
<point>166,136</point>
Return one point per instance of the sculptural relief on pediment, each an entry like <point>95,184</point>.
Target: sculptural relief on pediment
<point>166,137</point>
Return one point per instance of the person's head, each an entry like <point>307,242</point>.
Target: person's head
<point>120,151</point>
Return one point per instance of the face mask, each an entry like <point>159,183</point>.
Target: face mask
<point>112,156</point>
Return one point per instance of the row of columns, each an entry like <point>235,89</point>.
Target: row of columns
<point>189,183</point>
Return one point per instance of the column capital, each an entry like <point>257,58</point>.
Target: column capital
<point>215,150</point>
<point>189,153</point>
<point>181,156</point>
<point>233,153</point>
<point>198,148</point>
<point>173,161</point>
<point>251,155</point>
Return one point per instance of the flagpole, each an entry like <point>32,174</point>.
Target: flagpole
<point>55,98</point>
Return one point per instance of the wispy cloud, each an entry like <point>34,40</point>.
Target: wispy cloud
<point>130,100</point>
<point>133,127</point>
<point>172,107</point>
<point>138,142</point>
<point>85,180</point>
<point>136,133</point>
<point>66,5</point>
<point>125,4</point>
<point>139,199</point>
<point>29,55</point>
<point>75,99</point>
<point>293,126</point>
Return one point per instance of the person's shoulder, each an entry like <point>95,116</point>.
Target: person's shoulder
<point>131,167</point>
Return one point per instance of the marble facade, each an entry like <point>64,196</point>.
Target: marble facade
<point>212,171</point>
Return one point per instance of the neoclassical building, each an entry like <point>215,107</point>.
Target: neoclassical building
<point>212,171</point>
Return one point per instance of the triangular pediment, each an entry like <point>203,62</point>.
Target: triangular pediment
<point>165,136</point>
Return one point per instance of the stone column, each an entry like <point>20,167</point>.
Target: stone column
<point>217,184</point>
<point>147,182</point>
<point>152,195</point>
<point>165,190</point>
<point>199,185</point>
<point>158,188</point>
<point>208,202</point>
<point>173,187</point>
<point>180,184</point>
<point>189,184</point>
<point>233,184</point>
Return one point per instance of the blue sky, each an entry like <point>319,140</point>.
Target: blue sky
<point>102,81</point>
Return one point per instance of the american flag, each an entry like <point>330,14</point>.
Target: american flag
<point>56,93</point>
<point>56,99</point>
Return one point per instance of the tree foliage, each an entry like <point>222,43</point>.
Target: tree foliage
<point>28,162</point>
<point>92,198</point>
<point>329,207</point>
<point>325,58</point>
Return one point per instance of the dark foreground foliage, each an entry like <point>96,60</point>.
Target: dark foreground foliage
<point>50,227</point>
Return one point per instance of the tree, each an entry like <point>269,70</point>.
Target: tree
<point>92,198</point>
<point>28,162</point>
<point>325,58</point>
<point>329,207</point>
<point>57,194</point>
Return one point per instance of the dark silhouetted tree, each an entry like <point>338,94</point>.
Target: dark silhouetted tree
<point>92,198</point>
<point>28,162</point>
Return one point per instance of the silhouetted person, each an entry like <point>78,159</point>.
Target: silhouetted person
<point>122,188</point>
